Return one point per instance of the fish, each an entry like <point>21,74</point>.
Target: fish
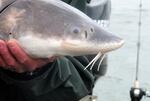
<point>46,28</point>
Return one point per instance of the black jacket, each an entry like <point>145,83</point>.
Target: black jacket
<point>63,80</point>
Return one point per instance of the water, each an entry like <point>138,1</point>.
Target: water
<point>115,85</point>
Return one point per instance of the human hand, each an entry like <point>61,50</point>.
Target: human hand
<point>13,57</point>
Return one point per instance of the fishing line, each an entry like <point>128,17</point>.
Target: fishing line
<point>139,41</point>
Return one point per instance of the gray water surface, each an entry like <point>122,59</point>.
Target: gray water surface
<point>115,85</point>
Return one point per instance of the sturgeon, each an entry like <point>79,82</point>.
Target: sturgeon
<point>46,28</point>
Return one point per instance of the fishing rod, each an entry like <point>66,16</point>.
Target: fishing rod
<point>137,93</point>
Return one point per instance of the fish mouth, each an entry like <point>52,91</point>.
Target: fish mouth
<point>76,49</point>
<point>72,46</point>
<point>112,46</point>
<point>90,48</point>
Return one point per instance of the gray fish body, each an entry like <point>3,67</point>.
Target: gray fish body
<point>47,28</point>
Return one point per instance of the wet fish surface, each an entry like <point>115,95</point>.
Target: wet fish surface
<point>46,28</point>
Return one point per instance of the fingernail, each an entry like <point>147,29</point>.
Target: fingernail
<point>11,45</point>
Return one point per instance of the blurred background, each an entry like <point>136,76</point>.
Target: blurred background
<point>115,85</point>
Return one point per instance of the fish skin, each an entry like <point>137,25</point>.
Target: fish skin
<point>47,28</point>
<point>5,3</point>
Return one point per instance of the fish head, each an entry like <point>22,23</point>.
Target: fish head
<point>87,37</point>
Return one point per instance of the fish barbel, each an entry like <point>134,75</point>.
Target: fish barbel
<point>46,28</point>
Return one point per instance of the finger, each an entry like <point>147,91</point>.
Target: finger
<point>52,59</point>
<point>2,63</point>
<point>16,68</point>
<point>29,63</point>
<point>20,69</point>
<point>5,54</point>
<point>7,60</point>
<point>17,52</point>
<point>21,56</point>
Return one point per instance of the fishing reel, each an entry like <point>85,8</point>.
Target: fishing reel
<point>137,93</point>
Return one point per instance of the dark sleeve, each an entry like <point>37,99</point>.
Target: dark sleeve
<point>100,10</point>
<point>79,4</point>
<point>63,80</point>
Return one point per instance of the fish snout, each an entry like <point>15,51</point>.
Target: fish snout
<point>112,44</point>
<point>105,41</point>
